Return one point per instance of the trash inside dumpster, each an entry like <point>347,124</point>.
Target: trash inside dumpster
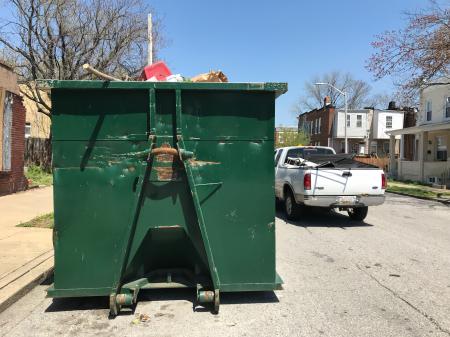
<point>163,185</point>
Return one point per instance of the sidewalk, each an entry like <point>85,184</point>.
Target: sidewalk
<point>26,254</point>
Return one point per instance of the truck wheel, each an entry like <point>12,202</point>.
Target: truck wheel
<point>291,207</point>
<point>358,213</point>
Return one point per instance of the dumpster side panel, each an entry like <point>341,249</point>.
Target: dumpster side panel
<point>227,115</point>
<point>239,214</point>
<point>231,134</point>
<point>102,114</point>
<point>99,144</point>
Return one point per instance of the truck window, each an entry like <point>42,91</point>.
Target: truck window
<point>318,150</point>
<point>277,157</point>
<point>294,153</point>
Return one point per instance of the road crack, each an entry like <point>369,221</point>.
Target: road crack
<point>412,306</point>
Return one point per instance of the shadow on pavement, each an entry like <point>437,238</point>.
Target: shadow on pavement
<point>248,297</point>
<point>187,294</point>
<point>321,217</point>
<point>78,303</point>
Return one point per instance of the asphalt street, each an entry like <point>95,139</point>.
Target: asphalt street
<point>387,276</point>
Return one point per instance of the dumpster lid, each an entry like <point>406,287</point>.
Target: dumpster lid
<point>278,88</point>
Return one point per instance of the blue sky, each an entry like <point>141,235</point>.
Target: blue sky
<point>278,41</point>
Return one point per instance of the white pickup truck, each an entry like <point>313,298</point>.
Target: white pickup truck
<point>317,176</point>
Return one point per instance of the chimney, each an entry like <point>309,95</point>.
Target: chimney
<point>392,106</point>
<point>327,101</point>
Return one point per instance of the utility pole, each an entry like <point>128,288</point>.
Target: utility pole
<point>150,40</point>
<point>345,129</point>
<point>345,111</point>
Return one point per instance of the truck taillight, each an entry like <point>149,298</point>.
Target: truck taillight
<point>383,181</point>
<point>307,181</point>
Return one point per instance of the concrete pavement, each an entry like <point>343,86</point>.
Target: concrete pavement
<point>388,276</point>
<point>26,254</point>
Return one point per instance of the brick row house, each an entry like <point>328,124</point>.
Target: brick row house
<point>318,124</point>
<point>366,128</point>
<point>12,133</point>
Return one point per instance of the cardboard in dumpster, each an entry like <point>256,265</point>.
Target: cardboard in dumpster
<point>212,76</point>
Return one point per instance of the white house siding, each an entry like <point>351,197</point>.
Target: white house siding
<point>352,131</point>
<point>437,95</point>
<point>379,123</point>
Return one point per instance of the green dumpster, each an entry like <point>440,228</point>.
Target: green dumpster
<point>163,185</point>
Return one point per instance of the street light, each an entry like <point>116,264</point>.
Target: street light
<point>345,110</point>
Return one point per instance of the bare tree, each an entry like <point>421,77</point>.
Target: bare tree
<point>417,54</point>
<point>382,100</point>
<point>357,90</point>
<point>52,39</point>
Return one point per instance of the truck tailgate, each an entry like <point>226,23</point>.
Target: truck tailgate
<point>326,181</point>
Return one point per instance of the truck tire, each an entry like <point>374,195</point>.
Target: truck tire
<point>291,208</point>
<point>358,213</point>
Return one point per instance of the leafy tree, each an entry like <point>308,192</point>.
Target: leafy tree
<point>289,137</point>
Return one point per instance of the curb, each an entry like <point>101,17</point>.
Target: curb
<point>442,201</point>
<point>22,284</point>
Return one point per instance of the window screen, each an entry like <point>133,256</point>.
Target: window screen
<point>447,108</point>
<point>429,110</point>
<point>7,125</point>
<point>359,121</point>
<point>388,122</point>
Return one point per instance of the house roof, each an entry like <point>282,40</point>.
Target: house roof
<point>420,128</point>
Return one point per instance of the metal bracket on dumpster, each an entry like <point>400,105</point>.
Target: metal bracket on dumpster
<point>200,217</point>
<point>125,295</point>
<point>116,301</point>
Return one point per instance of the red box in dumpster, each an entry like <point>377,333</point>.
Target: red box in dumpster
<point>158,70</point>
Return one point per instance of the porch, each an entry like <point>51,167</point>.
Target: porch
<point>430,162</point>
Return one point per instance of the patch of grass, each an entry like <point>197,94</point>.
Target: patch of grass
<point>417,191</point>
<point>38,176</point>
<point>409,182</point>
<point>42,221</point>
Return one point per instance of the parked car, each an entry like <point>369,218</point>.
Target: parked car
<point>317,176</point>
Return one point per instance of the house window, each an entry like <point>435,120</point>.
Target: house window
<point>27,130</point>
<point>429,110</point>
<point>386,147</point>
<point>441,148</point>
<point>319,128</point>
<point>373,147</point>
<point>359,121</point>
<point>348,121</point>
<point>447,107</point>
<point>388,122</point>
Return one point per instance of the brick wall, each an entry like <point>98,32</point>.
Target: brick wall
<point>14,180</point>
<point>327,115</point>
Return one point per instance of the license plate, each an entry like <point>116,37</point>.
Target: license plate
<point>346,200</point>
